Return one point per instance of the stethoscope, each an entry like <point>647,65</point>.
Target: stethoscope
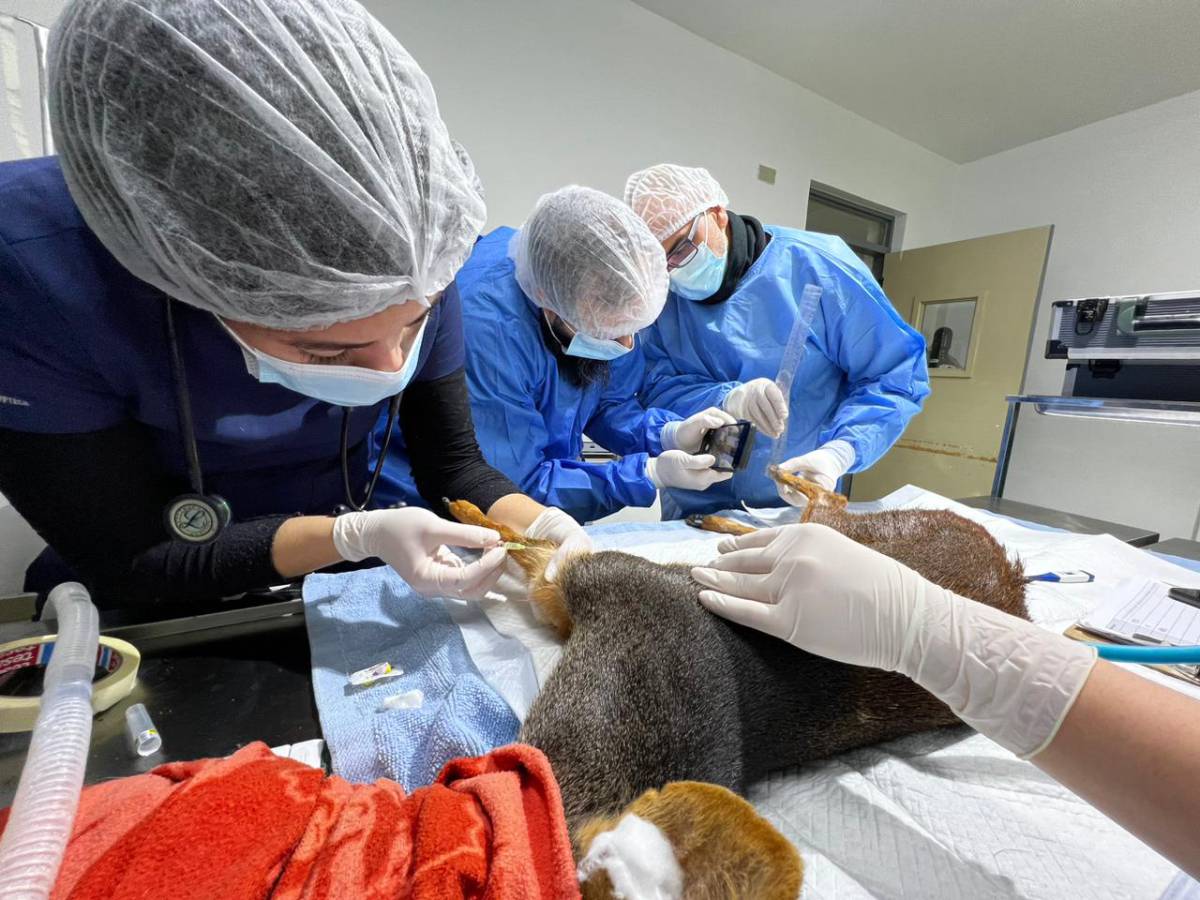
<point>199,517</point>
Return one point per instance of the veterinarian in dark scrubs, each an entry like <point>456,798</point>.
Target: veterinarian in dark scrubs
<point>1118,740</point>
<point>233,269</point>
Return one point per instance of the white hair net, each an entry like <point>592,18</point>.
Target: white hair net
<point>586,257</point>
<point>280,162</point>
<point>667,196</point>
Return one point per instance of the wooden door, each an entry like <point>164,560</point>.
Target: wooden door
<point>974,301</point>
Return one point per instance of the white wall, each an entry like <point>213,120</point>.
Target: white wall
<point>548,92</point>
<point>1124,198</point>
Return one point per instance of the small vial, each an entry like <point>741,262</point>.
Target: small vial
<point>140,731</point>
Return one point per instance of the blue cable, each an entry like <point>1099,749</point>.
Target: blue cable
<point>1160,656</point>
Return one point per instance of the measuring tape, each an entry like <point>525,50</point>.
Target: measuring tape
<point>119,659</point>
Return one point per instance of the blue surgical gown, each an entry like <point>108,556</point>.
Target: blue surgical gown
<point>862,378</point>
<point>530,419</point>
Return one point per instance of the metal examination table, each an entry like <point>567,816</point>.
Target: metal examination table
<point>217,681</point>
<point>1053,518</point>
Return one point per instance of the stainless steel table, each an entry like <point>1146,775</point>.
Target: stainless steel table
<point>1040,515</point>
<point>1180,547</point>
<point>211,683</point>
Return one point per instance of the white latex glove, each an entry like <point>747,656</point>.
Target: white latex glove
<point>676,469</point>
<point>823,466</point>
<point>826,594</point>
<point>762,403</point>
<point>414,542</point>
<point>513,584</point>
<point>687,435</point>
<point>555,525</point>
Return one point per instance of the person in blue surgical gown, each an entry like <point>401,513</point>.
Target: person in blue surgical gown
<point>736,287</point>
<point>552,314</point>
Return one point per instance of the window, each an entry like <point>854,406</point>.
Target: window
<point>870,230</point>
<point>947,326</point>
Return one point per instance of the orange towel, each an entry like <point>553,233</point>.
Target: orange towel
<point>255,825</point>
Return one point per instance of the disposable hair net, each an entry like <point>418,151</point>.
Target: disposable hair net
<point>280,162</point>
<point>468,165</point>
<point>586,257</point>
<point>667,196</point>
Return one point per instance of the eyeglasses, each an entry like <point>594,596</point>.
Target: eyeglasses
<point>687,248</point>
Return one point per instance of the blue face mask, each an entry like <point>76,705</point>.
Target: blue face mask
<point>339,385</point>
<point>595,348</point>
<point>587,347</point>
<point>701,277</point>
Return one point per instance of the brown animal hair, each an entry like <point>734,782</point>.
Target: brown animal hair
<point>651,689</point>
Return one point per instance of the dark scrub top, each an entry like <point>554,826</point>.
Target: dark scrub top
<point>83,349</point>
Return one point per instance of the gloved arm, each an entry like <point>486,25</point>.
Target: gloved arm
<point>761,402</point>
<point>882,356</point>
<point>1120,741</point>
<point>824,466</point>
<point>620,422</point>
<point>686,471</point>
<point>682,465</point>
<point>667,386</point>
<point>414,542</point>
<point>826,594</point>
<point>435,419</point>
<point>125,555</point>
<point>555,525</point>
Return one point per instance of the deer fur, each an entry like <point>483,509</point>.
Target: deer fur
<point>653,689</point>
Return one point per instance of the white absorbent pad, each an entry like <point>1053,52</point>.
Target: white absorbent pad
<point>945,814</point>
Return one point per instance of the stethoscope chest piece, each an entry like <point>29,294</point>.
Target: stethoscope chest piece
<point>196,518</point>
<point>199,517</point>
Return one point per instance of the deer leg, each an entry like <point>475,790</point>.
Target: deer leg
<point>719,524</point>
<point>546,596</point>
<point>817,496</point>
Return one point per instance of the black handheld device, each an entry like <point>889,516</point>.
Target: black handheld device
<point>730,444</point>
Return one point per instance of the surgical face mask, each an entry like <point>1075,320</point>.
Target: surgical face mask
<point>701,277</point>
<point>587,347</point>
<point>595,348</point>
<point>339,385</point>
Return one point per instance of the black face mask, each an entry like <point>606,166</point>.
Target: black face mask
<point>578,371</point>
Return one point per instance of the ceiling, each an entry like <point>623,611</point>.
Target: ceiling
<point>964,78</point>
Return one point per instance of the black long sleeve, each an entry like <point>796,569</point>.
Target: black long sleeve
<point>98,500</point>
<point>446,459</point>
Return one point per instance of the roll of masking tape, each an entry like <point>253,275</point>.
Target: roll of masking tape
<point>119,659</point>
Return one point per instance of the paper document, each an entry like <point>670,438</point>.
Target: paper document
<point>1139,611</point>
